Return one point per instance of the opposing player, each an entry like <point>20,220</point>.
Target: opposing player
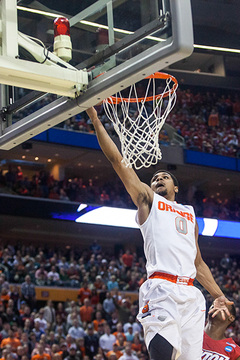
<point>215,344</point>
<point>172,310</point>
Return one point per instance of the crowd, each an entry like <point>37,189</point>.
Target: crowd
<point>101,324</point>
<point>111,193</point>
<point>207,121</point>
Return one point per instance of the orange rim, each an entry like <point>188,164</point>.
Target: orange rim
<point>157,75</point>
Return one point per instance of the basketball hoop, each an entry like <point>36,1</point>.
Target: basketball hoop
<point>139,132</point>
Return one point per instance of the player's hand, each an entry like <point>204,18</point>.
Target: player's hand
<point>220,305</point>
<point>92,113</point>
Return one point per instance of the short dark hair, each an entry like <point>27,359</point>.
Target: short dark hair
<point>175,181</point>
<point>233,310</point>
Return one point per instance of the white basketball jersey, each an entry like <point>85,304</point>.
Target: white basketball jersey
<point>169,238</point>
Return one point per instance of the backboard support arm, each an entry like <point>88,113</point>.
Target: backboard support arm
<point>159,56</point>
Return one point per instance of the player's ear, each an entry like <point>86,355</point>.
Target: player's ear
<point>231,318</point>
<point>176,189</point>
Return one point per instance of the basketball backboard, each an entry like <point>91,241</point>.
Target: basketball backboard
<point>122,40</point>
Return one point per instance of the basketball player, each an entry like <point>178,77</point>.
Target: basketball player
<point>172,310</point>
<point>215,344</point>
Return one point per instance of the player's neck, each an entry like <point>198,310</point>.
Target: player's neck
<point>170,197</point>
<point>215,331</point>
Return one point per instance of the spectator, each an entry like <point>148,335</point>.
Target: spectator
<point>32,340</point>
<point>40,319</point>
<point>119,330</point>
<point>63,195</point>
<point>108,305</point>
<point>41,275</point>
<point>100,331</point>
<point>41,354</point>
<point>95,247</point>
<point>15,296</point>
<point>37,331</point>
<point>20,352</point>
<point>112,283</point>
<point>135,325</point>
<point>27,327</point>
<point>11,317</point>
<point>73,275</point>
<point>98,284</point>
<point>55,349</point>
<point>95,297</point>
<point>107,340</point>
<point>123,310</point>
<point>61,311</point>
<point>63,350</point>
<point>26,314</point>
<point>113,321</point>
<point>121,341</point>
<point>11,340</point>
<point>137,345</point>
<point>115,351</point>
<point>72,353</point>
<point>98,320</point>
<point>53,276</point>
<point>226,262</point>
<point>76,331</point>
<point>213,119</point>
<point>72,307</point>
<point>49,313</point>
<point>4,297</point>
<point>72,317</point>
<point>60,333</point>
<point>91,342</point>
<point>129,334</point>
<point>84,292</point>
<point>28,293</point>
<point>3,283</point>
<point>5,330</point>
<point>86,311</point>
<point>128,353</point>
<point>81,346</point>
<point>127,259</point>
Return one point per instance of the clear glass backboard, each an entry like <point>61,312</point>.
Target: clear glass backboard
<point>114,44</point>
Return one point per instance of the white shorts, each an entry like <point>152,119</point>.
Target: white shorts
<point>176,312</point>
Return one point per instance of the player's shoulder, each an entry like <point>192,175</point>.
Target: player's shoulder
<point>232,346</point>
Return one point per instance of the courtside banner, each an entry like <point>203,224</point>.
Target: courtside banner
<point>99,215</point>
<point>110,216</point>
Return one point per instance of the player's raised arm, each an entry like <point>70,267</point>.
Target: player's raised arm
<point>139,192</point>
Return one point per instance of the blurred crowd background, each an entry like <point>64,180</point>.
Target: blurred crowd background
<point>101,322</point>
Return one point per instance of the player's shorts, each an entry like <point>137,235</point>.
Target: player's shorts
<point>176,312</point>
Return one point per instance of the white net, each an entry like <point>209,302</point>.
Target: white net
<point>138,128</point>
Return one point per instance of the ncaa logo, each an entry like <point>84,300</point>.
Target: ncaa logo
<point>228,348</point>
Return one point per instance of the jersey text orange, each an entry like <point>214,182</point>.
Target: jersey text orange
<point>165,207</point>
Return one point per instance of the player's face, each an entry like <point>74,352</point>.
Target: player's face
<point>162,184</point>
